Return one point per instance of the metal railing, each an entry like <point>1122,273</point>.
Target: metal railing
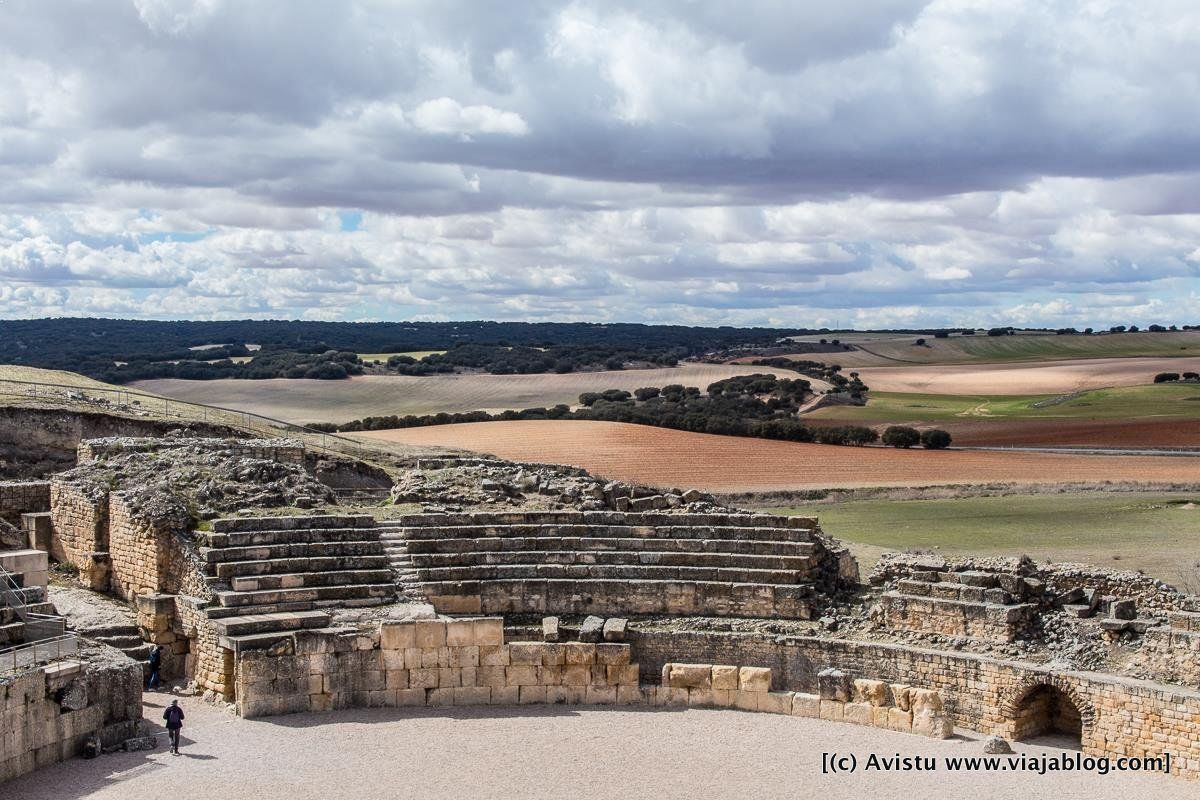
<point>131,401</point>
<point>41,652</point>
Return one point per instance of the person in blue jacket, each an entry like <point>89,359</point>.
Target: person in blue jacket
<point>155,665</point>
<point>174,717</point>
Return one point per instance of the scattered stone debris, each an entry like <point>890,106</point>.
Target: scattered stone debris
<point>997,745</point>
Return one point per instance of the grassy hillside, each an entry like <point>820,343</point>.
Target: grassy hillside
<point>1178,401</point>
<point>1155,532</point>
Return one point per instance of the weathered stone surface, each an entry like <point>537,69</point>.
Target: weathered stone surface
<point>724,677</point>
<point>870,692</point>
<point>754,679</point>
<point>592,629</point>
<point>614,629</point>
<point>832,684</point>
<point>550,629</point>
<point>997,745</point>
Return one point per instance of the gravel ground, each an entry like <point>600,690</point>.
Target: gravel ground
<point>546,751</point>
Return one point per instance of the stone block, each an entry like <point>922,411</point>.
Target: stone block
<point>460,633</point>
<point>879,716</point>
<point>669,696</point>
<point>722,698</point>
<point>858,713</point>
<point>870,692</point>
<point>725,677</point>
<point>565,695</point>
<point>614,629</point>
<point>629,695</point>
<point>525,653</point>
<point>623,674</point>
<point>1123,609</point>
<point>832,684</point>
<point>612,654</point>
<point>925,701</point>
<point>899,720</point>
<point>700,697</point>
<point>550,629</point>
<point>493,655</point>
<point>521,675</point>
<point>397,635</point>
<point>900,695</point>
<point>832,709</point>
<point>464,656</point>
<point>576,675</point>
<point>592,629</point>
<point>747,700</point>
<point>600,695</point>
<point>411,697</point>
<point>579,653</point>
<point>552,655</point>
<point>424,678</point>
<point>754,679</point>
<point>775,702</point>
<point>396,679</point>
<point>440,697</point>
<point>531,694</point>
<point>430,633</point>
<point>691,676</point>
<point>505,695</point>
<point>806,705</point>
<point>489,631</point>
<point>472,696</point>
<point>935,726</point>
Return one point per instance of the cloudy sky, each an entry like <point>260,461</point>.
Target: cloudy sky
<point>785,162</point>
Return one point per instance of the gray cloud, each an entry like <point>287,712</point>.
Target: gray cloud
<point>884,162</point>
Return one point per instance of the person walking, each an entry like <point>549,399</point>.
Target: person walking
<point>174,717</point>
<point>155,665</point>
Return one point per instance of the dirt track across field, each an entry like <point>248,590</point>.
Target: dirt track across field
<point>662,457</point>
<point>1049,377</point>
<point>554,752</point>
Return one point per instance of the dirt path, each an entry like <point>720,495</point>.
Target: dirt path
<point>546,752</point>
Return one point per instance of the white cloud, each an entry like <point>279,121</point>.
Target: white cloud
<point>445,115</point>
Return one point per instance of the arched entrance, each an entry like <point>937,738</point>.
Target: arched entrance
<point>1046,710</point>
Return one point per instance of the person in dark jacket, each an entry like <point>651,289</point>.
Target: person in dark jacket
<point>155,666</point>
<point>174,717</point>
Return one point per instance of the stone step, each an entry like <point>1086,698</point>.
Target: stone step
<point>260,609</point>
<point>243,625</point>
<point>309,535</point>
<point>611,571</point>
<point>738,533</point>
<point>280,566</point>
<point>224,555</point>
<point>12,633</point>
<point>110,631</point>
<point>307,594</point>
<point>521,544</point>
<point>300,580</point>
<point>139,653</point>
<point>247,524</point>
<point>121,642</point>
<point>630,557</point>
<point>254,641</point>
<point>599,518</point>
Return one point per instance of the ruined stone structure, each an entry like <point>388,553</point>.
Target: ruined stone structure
<point>716,607</point>
<point>47,713</point>
<point>619,563</point>
<point>981,605</point>
<point>18,498</point>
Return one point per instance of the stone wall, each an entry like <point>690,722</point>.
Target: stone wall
<point>151,555</point>
<point>980,605</point>
<point>23,497</point>
<point>286,451</point>
<point>873,703</point>
<point>427,662</point>
<point>207,663</point>
<point>47,713</point>
<point>1119,716</point>
<point>79,515</point>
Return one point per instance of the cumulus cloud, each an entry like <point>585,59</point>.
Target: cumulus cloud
<point>890,162</point>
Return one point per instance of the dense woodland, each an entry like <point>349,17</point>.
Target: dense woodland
<point>119,351</point>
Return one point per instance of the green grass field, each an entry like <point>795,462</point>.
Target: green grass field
<point>1158,533</point>
<point>1177,401</point>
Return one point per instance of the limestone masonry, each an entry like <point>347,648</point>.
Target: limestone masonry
<point>280,582</point>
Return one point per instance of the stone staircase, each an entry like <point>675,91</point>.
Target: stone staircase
<point>611,562</point>
<point>274,575</point>
<point>404,571</point>
<point>126,638</point>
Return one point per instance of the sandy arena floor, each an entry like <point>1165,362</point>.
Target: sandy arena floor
<point>543,752</point>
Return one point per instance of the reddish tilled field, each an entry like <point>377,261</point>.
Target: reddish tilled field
<point>1133,434</point>
<point>664,457</point>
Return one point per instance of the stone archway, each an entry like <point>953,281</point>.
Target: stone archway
<point>1048,706</point>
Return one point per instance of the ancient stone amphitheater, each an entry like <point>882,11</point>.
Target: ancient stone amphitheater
<point>277,593</point>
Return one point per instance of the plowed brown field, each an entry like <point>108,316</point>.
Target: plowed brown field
<point>664,457</point>
<point>1049,377</point>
